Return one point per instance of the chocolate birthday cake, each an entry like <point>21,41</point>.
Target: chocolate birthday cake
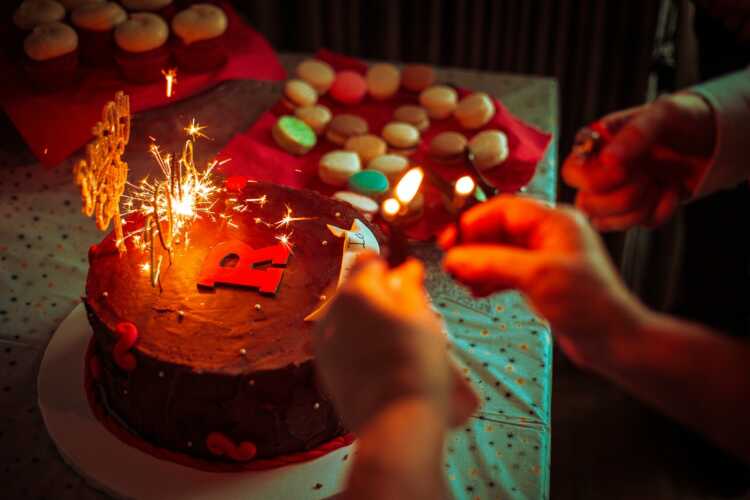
<point>215,360</point>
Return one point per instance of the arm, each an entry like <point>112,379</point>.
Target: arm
<point>382,357</point>
<point>683,145</point>
<point>400,455</point>
<point>559,262</point>
<point>729,98</point>
<point>690,373</point>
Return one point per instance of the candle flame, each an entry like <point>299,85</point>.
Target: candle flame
<point>465,185</point>
<point>408,186</point>
<point>391,206</point>
<point>170,76</point>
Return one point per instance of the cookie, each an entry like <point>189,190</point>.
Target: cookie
<point>348,87</point>
<point>475,110</point>
<point>439,101</point>
<point>383,80</point>
<point>413,115</point>
<point>367,146</point>
<point>317,117</point>
<point>448,147</point>
<point>299,94</point>
<point>391,165</point>
<point>488,149</point>
<point>293,135</point>
<point>417,77</point>
<point>336,167</point>
<point>363,203</point>
<point>318,74</point>
<point>369,183</point>
<point>344,126</point>
<point>401,135</point>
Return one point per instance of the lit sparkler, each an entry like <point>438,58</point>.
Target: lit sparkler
<point>170,77</point>
<point>172,202</point>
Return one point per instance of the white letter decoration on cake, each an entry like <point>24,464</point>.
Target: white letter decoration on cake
<point>356,239</point>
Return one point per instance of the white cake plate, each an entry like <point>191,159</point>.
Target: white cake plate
<point>122,471</point>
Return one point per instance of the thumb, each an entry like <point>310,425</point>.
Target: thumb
<point>494,267</point>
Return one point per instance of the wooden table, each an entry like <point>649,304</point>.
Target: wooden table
<point>43,245</point>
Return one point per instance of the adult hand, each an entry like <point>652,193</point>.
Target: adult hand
<point>655,158</point>
<point>381,342</point>
<point>556,259</point>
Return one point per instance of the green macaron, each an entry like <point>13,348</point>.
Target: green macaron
<point>369,183</point>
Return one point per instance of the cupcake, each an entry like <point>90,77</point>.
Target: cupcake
<point>32,13</point>
<point>29,15</point>
<point>51,55</point>
<point>96,24</point>
<point>142,50</point>
<point>200,37</point>
<point>164,8</point>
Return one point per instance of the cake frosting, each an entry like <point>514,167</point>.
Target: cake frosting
<point>32,13</point>
<point>143,31</point>
<point>199,22</point>
<point>222,372</point>
<point>50,40</point>
<point>99,16</point>
<point>145,4</point>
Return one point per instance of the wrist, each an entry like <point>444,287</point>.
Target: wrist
<point>399,452</point>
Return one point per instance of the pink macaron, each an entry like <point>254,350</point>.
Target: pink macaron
<point>349,87</point>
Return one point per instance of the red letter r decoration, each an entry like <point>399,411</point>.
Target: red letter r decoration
<point>245,271</point>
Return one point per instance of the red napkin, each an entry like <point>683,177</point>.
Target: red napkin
<point>254,153</point>
<point>56,124</point>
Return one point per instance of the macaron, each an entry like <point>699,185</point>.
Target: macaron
<point>364,204</point>
<point>401,135</point>
<point>369,183</point>
<point>383,81</point>
<point>488,149</point>
<point>391,165</point>
<point>349,87</point>
<point>417,77</point>
<point>293,135</point>
<point>299,93</point>
<point>367,146</point>
<point>317,117</point>
<point>448,147</point>
<point>336,167</point>
<point>439,101</point>
<point>318,74</point>
<point>413,115</point>
<point>474,110</point>
<point>344,126</point>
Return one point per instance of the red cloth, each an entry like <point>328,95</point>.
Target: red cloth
<point>56,124</point>
<point>254,153</point>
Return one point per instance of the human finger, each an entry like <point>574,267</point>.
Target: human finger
<point>493,267</point>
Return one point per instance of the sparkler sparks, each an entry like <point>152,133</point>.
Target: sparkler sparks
<point>286,240</point>
<point>288,219</point>
<point>195,130</point>
<point>170,77</point>
<point>172,201</point>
